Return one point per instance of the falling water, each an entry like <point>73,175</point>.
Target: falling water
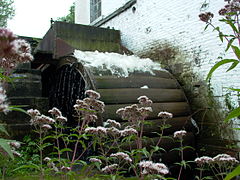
<point>67,86</point>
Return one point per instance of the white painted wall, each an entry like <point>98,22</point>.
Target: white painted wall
<point>109,6</point>
<point>177,23</point>
<point>82,10</point>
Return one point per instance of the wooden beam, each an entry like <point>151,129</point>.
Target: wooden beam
<point>130,95</point>
<point>111,82</point>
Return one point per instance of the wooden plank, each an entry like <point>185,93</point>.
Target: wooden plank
<point>176,124</point>
<point>110,82</point>
<point>155,73</point>
<point>130,95</point>
<point>177,108</point>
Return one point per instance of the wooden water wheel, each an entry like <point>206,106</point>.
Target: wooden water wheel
<point>117,92</point>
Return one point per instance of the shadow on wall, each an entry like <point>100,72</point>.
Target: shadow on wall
<point>206,110</point>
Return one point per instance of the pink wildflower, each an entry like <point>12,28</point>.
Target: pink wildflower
<point>46,127</point>
<point>65,169</point>
<point>13,51</point>
<point>113,123</point>
<point>165,115</point>
<point>110,169</point>
<point>3,98</point>
<point>224,158</point>
<point>15,153</point>
<point>47,159</point>
<point>179,134</point>
<point>95,160</point>
<point>122,155</point>
<point>92,94</point>
<point>97,131</point>
<point>150,167</point>
<point>203,160</point>
<point>113,131</point>
<point>33,112</point>
<point>206,17</point>
<point>128,132</point>
<point>61,119</point>
<point>144,100</point>
<point>15,144</point>
<point>42,119</point>
<point>55,111</point>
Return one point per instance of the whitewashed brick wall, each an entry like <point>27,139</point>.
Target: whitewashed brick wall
<point>177,23</point>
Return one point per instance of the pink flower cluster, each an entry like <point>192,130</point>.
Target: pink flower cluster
<point>57,114</point>
<point>3,98</point>
<point>110,169</point>
<point>51,164</point>
<point>65,169</point>
<point>97,131</point>
<point>92,94</point>
<point>88,107</point>
<point>14,145</point>
<point>129,132</point>
<point>231,8</point>
<point>219,159</point>
<point>145,101</point>
<point>112,131</point>
<point>13,50</point>
<point>95,160</point>
<point>121,155</point>
<point>150,167</point>
<point>165,115</point>
<point>179,134</point>
<point>206,17</point>
<point>40,120</point>
<point>134,113</point>
<point>113,123</point>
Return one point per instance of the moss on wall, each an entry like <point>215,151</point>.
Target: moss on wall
<point>214,136</point>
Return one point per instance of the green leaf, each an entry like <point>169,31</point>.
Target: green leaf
<point>187,147</point>
<point>232,114</point>
<point>65,150</point>
<point>206,27</point>
<point>230,22</point>
<point>230,43</point>
<point>13,108</point>
<point>234,173</point>
<point>220,63</point>
<point>233,89</point>
<point>236,51</point>
<point>31,165</point>
<point>233,65</point>
<point>221,36</point>
<point>3,130</point>
<point>4,145</point>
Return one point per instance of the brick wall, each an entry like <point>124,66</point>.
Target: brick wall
<point>175,24</point>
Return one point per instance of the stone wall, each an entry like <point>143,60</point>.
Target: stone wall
<point>174,26</point>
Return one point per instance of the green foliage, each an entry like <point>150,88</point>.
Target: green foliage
<point>220,63</point>
<point>233,174</point>
<point>6,11</point>
<point>70,18</point>
<point>5,146</point>
<point>233,114</point>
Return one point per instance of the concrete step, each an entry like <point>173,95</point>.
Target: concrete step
<point>24,88</point>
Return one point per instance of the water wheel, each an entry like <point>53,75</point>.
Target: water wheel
<point>69,79</point>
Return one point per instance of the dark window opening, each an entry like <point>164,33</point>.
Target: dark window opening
<point>95,9</point>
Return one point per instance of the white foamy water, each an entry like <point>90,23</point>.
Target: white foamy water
<point>117,64</point>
